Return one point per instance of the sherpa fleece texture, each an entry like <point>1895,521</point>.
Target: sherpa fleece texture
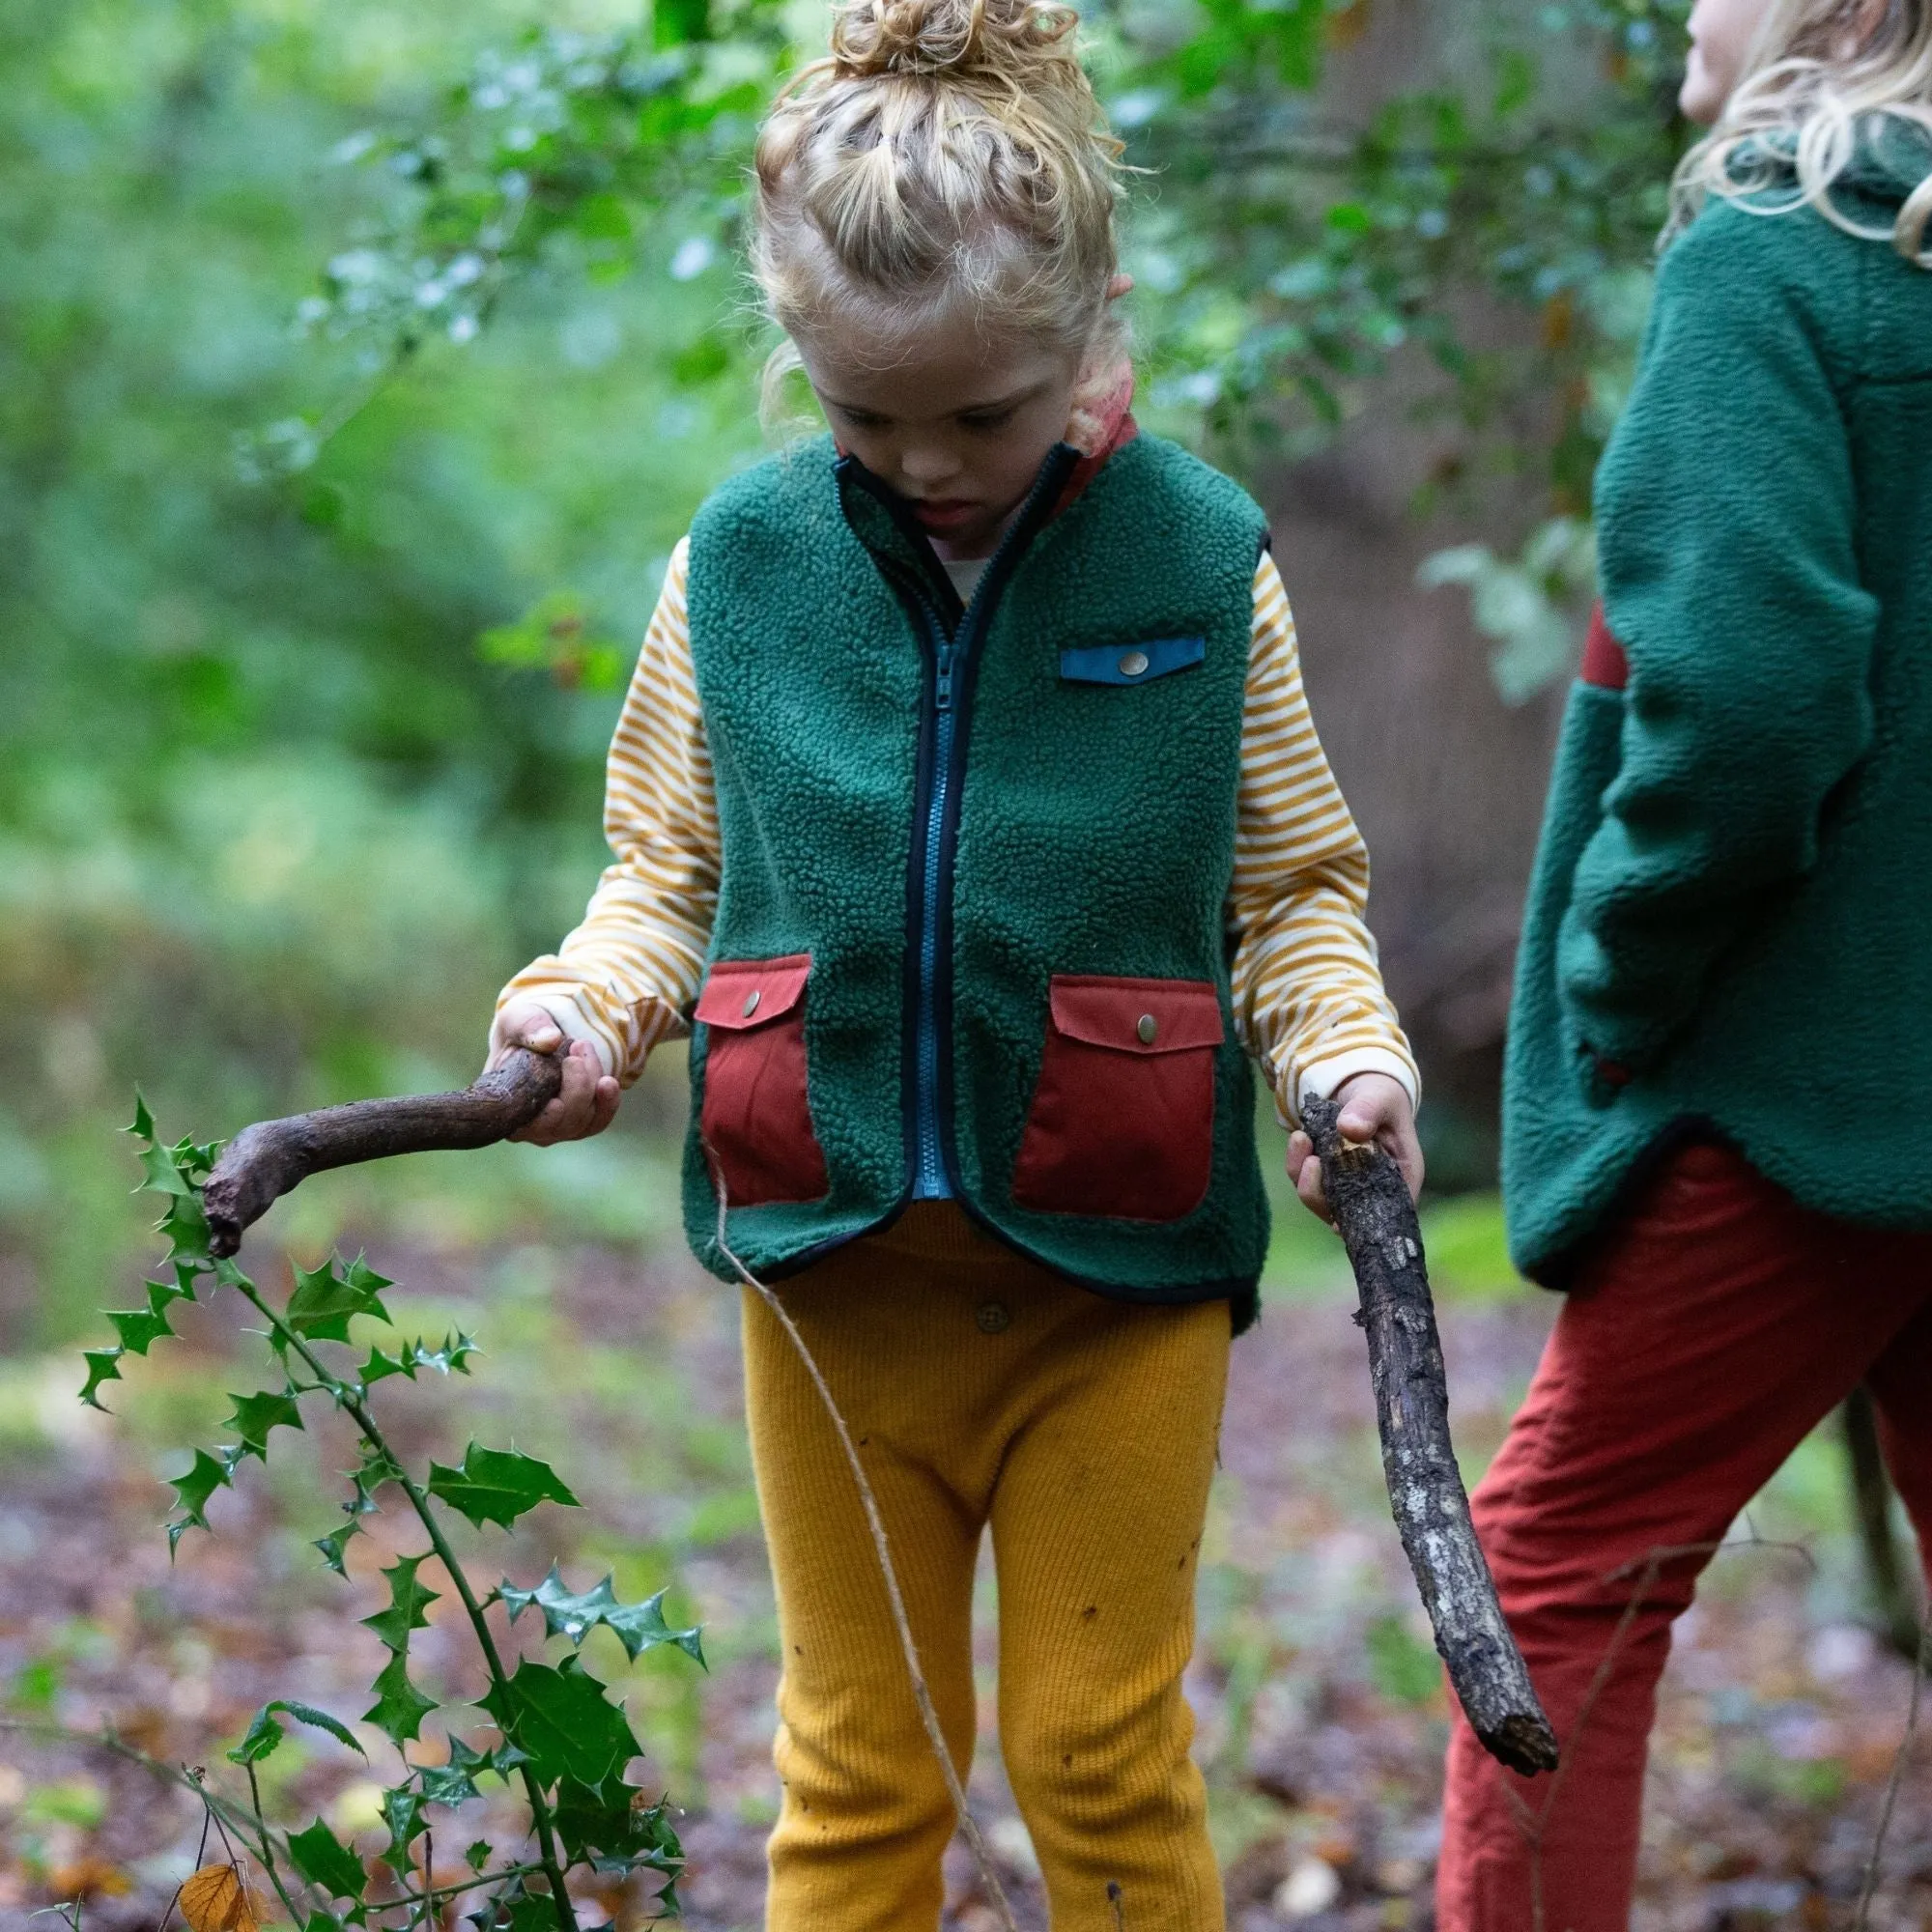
<point>1731,901</point>
<point>1096,831</point>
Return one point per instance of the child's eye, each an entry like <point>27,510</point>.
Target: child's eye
<point>989,419</point>
<point>862,418</point>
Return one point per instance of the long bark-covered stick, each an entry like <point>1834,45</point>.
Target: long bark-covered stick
<point>262,1162</point>
<point>1378,1224</point>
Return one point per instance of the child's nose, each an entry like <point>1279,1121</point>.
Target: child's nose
<point>928,464</point>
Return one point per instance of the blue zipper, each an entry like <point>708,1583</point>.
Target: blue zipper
<point>929,1182</point>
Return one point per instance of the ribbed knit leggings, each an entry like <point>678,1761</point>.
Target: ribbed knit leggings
<point>1720,1323</point>
<point>984,1391</point>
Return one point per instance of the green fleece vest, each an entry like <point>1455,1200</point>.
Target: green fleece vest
<point>1730,926</point>
<point>971,918</point>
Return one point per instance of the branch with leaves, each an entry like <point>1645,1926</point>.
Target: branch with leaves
<point>555,1729</point>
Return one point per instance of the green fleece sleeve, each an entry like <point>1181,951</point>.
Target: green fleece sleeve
<point>1726,517</point>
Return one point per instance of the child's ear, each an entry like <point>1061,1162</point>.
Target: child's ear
<point>1122,284</point>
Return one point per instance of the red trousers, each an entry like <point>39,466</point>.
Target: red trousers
<point>1718,1325</point>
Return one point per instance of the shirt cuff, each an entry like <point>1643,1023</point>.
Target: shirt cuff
<point>1322,1077</point>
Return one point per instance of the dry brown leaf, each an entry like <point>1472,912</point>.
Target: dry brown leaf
<point>216,1900</point>
<point>89,1877</point>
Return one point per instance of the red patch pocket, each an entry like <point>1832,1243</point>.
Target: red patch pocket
<point>1605,663</point>
<point>757,1122</point>
<point>1122,1119</point>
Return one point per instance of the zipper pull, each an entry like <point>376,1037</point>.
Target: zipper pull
<point>942,683</point>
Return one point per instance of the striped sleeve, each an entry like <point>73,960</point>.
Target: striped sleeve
<point>1308,995</point>
<point>626,976</point>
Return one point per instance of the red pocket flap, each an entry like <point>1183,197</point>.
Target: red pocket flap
<point>1136,1016</point>
<point>743,993</point>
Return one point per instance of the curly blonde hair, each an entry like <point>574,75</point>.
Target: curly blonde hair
<point>946,155</point>
<point>1824,81</point>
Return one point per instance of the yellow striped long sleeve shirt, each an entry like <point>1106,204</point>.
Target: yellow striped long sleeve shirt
<point>1308,997</point>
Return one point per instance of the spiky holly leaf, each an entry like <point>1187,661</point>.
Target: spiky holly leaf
<point>641,1627</point>
<point>400,1706</point>
<point>161,1173</point>
<point>326,1863</point>
<point>103,1365</point>
<point>561,1717</point>
<point>515,1908</point>
<point>256,1414</point>
<point>451,1357</point>
<point>142,1125</point>
<point>204,1475</point>
<point>334,1547</point>
<point>408,1599</point>
<point>450,1784</point>
<point>402,1812</point>
<point>327,1298</point>
<point>186,1228</point>
<point>318,1921</point>
<point>380,1367</point>
<point>610,1827</point>
<point>478,1854</point>
<point>498,1485</point>
<point>139,1328</point>
<point>563,1615</point>
<point>265,1734</point>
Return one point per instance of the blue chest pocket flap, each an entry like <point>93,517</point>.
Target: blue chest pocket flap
<point>1130,663</point>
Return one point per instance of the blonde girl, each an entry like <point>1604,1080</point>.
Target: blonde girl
<point>1715,1113</point>
<point>969,817</point>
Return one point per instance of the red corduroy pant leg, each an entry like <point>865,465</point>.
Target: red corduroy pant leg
<point>1717,1325</point>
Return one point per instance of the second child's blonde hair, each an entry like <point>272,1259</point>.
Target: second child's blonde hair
<point>947,156</point>
<point>1824,81</point>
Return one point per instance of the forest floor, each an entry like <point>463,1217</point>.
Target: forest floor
<point>1321,1711</point>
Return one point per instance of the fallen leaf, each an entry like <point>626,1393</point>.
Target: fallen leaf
<point>216,1900</point>
<point>89,1877</point>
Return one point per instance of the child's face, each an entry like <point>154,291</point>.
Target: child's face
<point>958,424</point>
<point>1720,36</point>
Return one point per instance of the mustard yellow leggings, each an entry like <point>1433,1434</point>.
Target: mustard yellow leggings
<point>983,1390</point>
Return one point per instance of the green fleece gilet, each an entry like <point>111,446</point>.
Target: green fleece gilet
<point>1730,924</point>
<point>1090,832</point>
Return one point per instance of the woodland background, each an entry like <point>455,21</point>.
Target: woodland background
<point>359,366</point>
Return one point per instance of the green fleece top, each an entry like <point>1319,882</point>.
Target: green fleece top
<point>1729,929</point>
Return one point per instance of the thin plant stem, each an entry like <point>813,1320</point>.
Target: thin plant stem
<point>351,1399</point>
<point>1920,1664</point>
<point>267,1852</point>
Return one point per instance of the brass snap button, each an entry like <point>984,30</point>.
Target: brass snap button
<point>1133,663</point>
<point>750,1003</point>
<point>1146,1029</point>
<point>992,1318</point>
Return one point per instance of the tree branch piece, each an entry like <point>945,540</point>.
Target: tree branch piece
<point>262,1163</point>
<point>1377,1223</point>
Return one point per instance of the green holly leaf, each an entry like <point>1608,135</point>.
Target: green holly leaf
<point>498,1485</point>
<point>563,1615</point>
<point>478,1854</point>
<point>445,1784</point>
<point>516,1910</point>
<point>400,1706</point>
<point>186,1228</point>
<point>407,1600</point>
<point>336,1544</point>
<point>103,1365</point>
<point>380,1367</point>
<point>402,1812</point>
<point>452,1357</point>
<point>162,1174</point>
<point>142,1126</point>
<point>139,1328</point>
<point>256,1414</point>
<point>327,1298</point>
<point>641,1627</point>
<point>561,1717</point>
<point>265,1734</point>
<point>204,1475</point>
<point>609,1826</point>
<point>326,1863</point>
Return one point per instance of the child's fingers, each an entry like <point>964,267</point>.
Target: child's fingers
<point>569,1116</point>
<point>1305,1171</point>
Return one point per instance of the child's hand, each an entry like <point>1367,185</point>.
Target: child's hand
<point>1374,1108</point>
<point>587,1102</point>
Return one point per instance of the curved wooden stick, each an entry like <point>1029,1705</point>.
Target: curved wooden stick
<point>1377,1223</point>
<point>262,1163</point>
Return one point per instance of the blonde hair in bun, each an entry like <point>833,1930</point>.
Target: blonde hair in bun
<point>946,152</point>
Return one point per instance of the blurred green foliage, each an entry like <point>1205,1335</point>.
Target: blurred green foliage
<point>359,367</point>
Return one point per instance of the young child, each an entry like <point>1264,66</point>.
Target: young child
<point>969,815</point>
<point>1715,1130</point>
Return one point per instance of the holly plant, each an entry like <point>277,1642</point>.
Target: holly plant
<point>550,1726</point>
